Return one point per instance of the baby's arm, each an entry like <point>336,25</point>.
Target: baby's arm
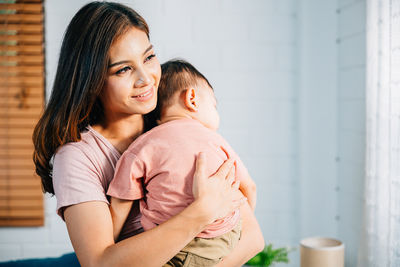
<point>124,188</point>
<point>249,189</point>
<point>119,209</point>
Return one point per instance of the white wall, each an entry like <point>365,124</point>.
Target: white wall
<point>332,120</point>
<point>351,40</point>
<point>248,52</point>
<point>317,118</point>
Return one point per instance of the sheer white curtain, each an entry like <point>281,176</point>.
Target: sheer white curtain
<point>380,246</point>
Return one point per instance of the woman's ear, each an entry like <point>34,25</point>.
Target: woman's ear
<point>191,100</point>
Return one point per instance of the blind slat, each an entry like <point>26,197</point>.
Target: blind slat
<point>21,39</point>
<point>10,80</point>
<point>15,142</point>
<point>27,1</point>
<point>32,187</point>
<point>22,163</point>
<point>21,222</point>
<point>5,132</point>
<point>37,60</point>
<point>17,172</point>
<point>35,193</point>
<point>29,185</point>
<point>27,153</point>
<point>17,103</point>
<point>21,49</point>
<point>23,8</point>
<point>15,111</point>
<point>8,97</point>
<point>12,116</point>
<point>21,28</point>
<point>13,81</point>
<point>21,18</point>
<point>30,90</point>
<point>17,203</point>
<point>26,213</point>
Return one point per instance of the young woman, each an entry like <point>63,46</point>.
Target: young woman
<point>106,83</point>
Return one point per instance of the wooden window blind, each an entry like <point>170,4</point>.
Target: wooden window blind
<point>21,103</point>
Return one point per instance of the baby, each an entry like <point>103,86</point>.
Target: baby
<point>158,166</point>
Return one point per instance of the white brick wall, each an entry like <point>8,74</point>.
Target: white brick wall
<point>351,39</point>
<point>248,52</point>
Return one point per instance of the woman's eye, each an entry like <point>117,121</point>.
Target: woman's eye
<point>149,57</point>
<point>123,70</point>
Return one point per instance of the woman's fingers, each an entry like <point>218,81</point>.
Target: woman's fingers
<point>199,176</point>
<point>239,199</point>
<point>225,169</point>
<point>231,175</point>
<point>200,164</point>
<point>219,193</point>
<point>236,185</point>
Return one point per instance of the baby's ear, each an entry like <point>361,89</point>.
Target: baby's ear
<point>191,99</point>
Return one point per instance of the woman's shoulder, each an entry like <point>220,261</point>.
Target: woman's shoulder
<point>74,154</point>
<point>82,170</point>
<point>90,157</point>
<point>77,176</point>
<point>72,151</point>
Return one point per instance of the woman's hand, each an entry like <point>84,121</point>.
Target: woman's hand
<point>218,195</point>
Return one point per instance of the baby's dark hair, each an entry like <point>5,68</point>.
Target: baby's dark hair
<point>176,75</point>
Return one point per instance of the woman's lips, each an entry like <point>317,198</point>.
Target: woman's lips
<point>145,96</point>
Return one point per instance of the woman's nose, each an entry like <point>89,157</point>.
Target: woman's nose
<point>143,79</point>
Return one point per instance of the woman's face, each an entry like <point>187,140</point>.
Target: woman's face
<point>133,76</point>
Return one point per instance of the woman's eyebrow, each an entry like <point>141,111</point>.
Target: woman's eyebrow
<point>127,61</point>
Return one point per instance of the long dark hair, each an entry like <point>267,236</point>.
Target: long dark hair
<point>81,74</point>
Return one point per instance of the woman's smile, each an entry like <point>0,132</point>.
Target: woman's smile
<point>145,95</point>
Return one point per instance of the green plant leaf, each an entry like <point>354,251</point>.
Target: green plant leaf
<point>269,256</point>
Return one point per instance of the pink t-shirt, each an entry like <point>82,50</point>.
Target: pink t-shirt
<point>158,168</point>
<point>82,172</point>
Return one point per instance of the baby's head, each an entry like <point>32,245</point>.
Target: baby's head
<point>185,92</point>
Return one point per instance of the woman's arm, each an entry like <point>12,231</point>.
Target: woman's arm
<point>250,243</point>
<point>91,230</point>
<point>119,209</point>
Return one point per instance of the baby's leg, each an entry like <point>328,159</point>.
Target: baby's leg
<point>177,261</point>
<point>193,260</point>
<point>206,252</point>
<point>187,259</point>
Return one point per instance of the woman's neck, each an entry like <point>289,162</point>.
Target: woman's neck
<point>121,132</point>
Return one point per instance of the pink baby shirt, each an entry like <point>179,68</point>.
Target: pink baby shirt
<point>158,168</point>
<point>82,172</point>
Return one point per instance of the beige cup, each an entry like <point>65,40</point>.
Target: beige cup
<point>321,252</point>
